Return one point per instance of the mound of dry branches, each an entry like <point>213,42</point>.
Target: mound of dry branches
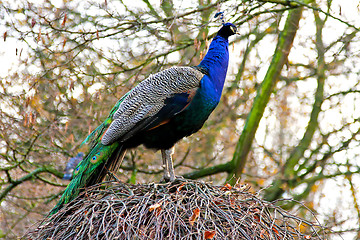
<point>180,210</point>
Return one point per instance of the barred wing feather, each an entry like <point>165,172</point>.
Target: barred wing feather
<point>156,99</point>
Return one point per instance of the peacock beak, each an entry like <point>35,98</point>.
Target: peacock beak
<point>234,30</point>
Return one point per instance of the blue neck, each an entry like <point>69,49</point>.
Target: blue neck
<point>216,61</point>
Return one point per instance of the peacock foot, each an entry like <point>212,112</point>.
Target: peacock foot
<point>168,178</point>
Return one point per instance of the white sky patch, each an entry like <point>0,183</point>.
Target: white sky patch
<point>8,57</point>
<point>95,88</point>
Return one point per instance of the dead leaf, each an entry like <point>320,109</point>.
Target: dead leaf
<point>64,21</point>
<point>195,215</point>
<point>262,233</point>
<point>227,187</point>
<point>64,42</point>
<point>39,35</point>
<point>181,186</point>
<point>218,201</point>
<point>154,206</point>
<point>33,22</point>
<point>25,119</point>
<point>276,231</point>
<point>72,85</point>
<point>201,55</point>
<point>72,139</point>
<point>209,234</point>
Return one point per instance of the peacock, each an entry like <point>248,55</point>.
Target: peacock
<point>158,112</point>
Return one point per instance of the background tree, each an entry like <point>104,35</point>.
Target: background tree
<point>288,120</point>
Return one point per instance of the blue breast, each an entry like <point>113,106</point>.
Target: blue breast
<point>203,103</point>
<point>208,96</point>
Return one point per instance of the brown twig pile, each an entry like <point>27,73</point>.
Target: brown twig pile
<point>180,210</point>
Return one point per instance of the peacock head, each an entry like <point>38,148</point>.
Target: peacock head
<point>227,30</point>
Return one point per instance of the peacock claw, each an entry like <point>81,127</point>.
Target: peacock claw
<point>166,179</point>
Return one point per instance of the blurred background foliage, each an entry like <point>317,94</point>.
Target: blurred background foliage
<point>288,125</point>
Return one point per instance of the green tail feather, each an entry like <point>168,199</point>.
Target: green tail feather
<point>91,170</point>
<point>99,159</point>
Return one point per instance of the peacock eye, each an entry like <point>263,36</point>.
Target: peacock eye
<point>94,159</point>
<point>233,29</point>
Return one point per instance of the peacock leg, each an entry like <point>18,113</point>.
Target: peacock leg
<point>166,176</point>
<point>169,173</point>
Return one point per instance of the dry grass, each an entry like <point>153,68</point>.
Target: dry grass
<point>180,210</point>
